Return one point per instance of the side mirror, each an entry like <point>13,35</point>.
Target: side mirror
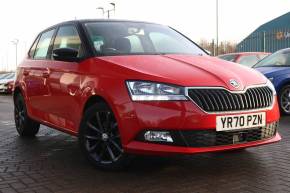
<point>65,54</point>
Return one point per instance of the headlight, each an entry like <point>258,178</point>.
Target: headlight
<point>271,86</point>
<point>150,91</point>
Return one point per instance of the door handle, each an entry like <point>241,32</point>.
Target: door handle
<point>25,72</point>
<point>46,73</point>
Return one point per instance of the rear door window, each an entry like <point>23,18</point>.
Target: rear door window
<point>33,47</point>
<point>43,45</point>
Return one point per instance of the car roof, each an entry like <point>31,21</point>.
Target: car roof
<point>252,53</point>
<point>80,21</point>
<point>284,50</point>
<point>244,53</point>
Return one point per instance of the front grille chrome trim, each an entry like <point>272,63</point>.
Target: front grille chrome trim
<point>252,103</point>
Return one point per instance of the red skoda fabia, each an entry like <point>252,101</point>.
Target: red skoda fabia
<point>126,87</point>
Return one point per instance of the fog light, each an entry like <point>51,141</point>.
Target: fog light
<point>158,136</point>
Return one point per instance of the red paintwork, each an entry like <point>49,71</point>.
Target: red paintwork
<point>56,93</point>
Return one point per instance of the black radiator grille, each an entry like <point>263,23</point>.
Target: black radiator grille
<point>207,138</point>
<point>218,99</point>
<point>211,137</point>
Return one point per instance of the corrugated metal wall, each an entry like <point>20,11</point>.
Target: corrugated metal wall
<point>269,41</point>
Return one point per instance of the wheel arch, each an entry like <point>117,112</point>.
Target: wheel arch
<point>17,90</point>
<point>93,99</point>
<point>282,84</point>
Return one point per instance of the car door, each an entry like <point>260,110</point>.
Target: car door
<point>34,75</point>
<point>63,105</point>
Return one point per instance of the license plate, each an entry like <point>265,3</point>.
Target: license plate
<point>242,121</point>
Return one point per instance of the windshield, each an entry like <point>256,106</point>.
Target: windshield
<point>133,38</point>
<point>278,59</point>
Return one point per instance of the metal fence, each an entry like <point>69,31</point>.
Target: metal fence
<point>267,41</point>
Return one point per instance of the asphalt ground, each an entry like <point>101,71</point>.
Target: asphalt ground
<point>52,162</point>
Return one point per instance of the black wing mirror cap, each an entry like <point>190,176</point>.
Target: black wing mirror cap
<point>65,54</point>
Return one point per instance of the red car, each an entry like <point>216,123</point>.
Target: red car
<point>126,87</point>
<point>245,58</point>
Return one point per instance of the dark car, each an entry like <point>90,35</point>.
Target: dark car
<point>276,68</point>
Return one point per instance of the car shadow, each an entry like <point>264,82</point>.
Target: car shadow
<point>57,153</point>
<point>60,147</point>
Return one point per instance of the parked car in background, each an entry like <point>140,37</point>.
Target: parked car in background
<point>245,58</point>
<point>2,75</point>
<point>127,87</point>
<point>7,83</point>
<point>5,75</point>
<point>276,68</point>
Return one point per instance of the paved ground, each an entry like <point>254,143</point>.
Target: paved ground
<point>52,162</point>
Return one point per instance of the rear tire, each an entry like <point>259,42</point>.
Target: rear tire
<point>99,138</point>
<point>25,126</point>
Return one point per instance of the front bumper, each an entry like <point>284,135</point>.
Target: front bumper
<point>137,147</point>
<point>183,116</point>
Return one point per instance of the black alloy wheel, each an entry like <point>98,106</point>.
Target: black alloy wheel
<point>284,100</point>
<point>25,126</point>
<point>100,139</point>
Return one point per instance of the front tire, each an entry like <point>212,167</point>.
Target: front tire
<point>25,126</point>
<point>99,138</point>
<point>284,100</point>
